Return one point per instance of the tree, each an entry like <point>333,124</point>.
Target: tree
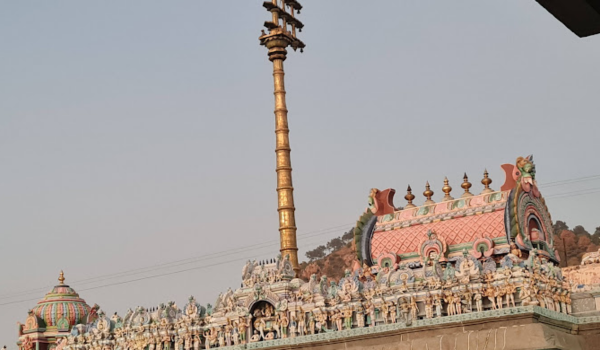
<point>335,244</point>
<point>348,236</point>
<point>580,231</point>
<point>583,242</point>
<point>317,253</point>
<point>569,246</point>
<point>596,236</point>
<point>559,227</point>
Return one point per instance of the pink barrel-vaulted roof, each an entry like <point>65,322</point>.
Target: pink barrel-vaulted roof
<point>458,221</point>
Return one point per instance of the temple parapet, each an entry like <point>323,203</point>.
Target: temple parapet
<point>270,306</point>
<point>470,258</point>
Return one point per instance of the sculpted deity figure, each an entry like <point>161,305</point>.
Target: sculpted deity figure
<point>197,342</point>
<point>556,300</point>
<point>428,306</point>
<point>268,311</point>
<point>228,333</point>
<point>499,292</point>
<point>211,338</point>
<point>321,322</point>
<point>510,290</point>
<point>449,299</point>
<point>187,341</point>
<point>489,277</point>
<point>360,318</point>
<point>333,292</point>
<point>311,323</point>
<point>491,295</point>
<point>221,338</point>
<point>414,309</point>
<point>347,313</point>
<point>236,336</point>
<point>393,312</point>
<point>525,295</point>
<point>371,314</point>
<point>457,303</point>
<point>285,322</point>
<point>514,250</point>
<point>262,325</point>
<point>478,300</point>
<point>404,309</point>
<point>384,310</point>
<point>563,304</point>
<point>539,295</point>
<point>293,325</point>
<point>468,299</point>
<point>549,300</point>
<point>339,320</point>
<point>276,324</point>
<point>301,324</point>
<point>438,305</point>
<point>242,325</point>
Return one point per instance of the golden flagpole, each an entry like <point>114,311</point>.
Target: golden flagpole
<point>282,33</point>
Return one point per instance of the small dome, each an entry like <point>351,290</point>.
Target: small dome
<point>62,301</point>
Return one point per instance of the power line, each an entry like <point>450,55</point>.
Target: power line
<point>569,181</point>
<point>261,245</point>
<point>142,278</point>
<point>177,262</point>
<point>575,193</point>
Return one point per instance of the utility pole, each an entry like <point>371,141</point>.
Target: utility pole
<point>282,33</point>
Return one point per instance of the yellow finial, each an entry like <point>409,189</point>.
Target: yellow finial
<point>409,197</point>
<point>428,193</point>
<point>486,181</point>
<point>466,185</point>
<point>446,189</point>
<point>61,277</point>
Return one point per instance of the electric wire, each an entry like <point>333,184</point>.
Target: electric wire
<point>176,263</point>
<point>256,246</point>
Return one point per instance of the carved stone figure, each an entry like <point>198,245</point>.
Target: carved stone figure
<point>478,300</point>
<point>301,324</point>
<point>404,310</point>
<point>438,305</point>
<point>414,309</point>
<point>347,314</point>
<point>450,307</point>
<point>428,306</point>
<point>490,293</point>
<point>285,322</point>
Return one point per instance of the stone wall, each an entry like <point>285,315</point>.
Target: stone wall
<point>520,328</point>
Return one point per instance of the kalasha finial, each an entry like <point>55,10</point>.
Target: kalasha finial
<point>61,277</point>
<point>466,185</point>
<point>447,189</point>
<point>428,193</point>
<point>486,181</point>
<point>409,197</point>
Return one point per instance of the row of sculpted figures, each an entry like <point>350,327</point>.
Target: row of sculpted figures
<point>272,304</point>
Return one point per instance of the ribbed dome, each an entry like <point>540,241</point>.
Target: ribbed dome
<point>62,300</point>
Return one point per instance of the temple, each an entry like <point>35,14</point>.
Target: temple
<point>477,263</point>
<point>479,271</point>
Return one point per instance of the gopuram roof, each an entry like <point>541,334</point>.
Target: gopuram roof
<point>484,224</point>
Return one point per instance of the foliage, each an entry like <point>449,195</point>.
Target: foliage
<point>331,246</point>
<point>572,244</point>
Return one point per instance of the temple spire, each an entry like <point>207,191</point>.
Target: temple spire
<point>61,278</point>
<point>282,33</point>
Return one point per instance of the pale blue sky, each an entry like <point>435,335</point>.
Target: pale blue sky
<point>136,133</point>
